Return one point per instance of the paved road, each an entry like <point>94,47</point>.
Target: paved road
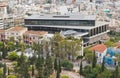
<point>71,74</point>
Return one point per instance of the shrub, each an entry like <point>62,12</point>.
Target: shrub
<point>11,76</point>
<point>13,56</point>
<point>64,77</point>
<point>79,57</point>
<point>1,72</point>
<point>67,65</point>
<point>15,63</point>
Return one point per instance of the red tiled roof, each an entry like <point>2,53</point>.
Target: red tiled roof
<point>2,31</point>
<point>36,32</point>
<point>98,48</point>
<point>16,28</point>
<point>3,4</point>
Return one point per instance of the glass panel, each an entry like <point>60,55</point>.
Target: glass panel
<point>61,22</point>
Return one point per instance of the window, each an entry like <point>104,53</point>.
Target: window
<point>61,22</point>
<point>100,54</point>
<point>33,37</point>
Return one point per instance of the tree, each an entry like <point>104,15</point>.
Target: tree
<point>94,60</point>
<point>8,71</point>
<point>32,59</point>
<point>116,72</point>
<point>88,55</point>
<point>4,51</point>
<point>26,71</point>
<point>0,56</point>
<point>48,66</point>
<point>33,70</point>
<point>102,67</point>
<point>11,46</point>
<point>21,60</point>
<point>55,64</point>
<point>23,71</point>
<point>58,73</point>
<point>81,70</point>
<point>13,56</point>
<point>4,70</point>
<point>39,66</point>
<point>67,65</point>
<point>59,66</point>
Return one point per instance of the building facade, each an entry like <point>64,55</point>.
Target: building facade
<point>30,37</point>
<point>16,32</point>
<point>95,30</point>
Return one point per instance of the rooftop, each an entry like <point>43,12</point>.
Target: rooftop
<point>63,17</point>
<point>3,4</point>
<point>16,28</point>
<point>1,31</point>
<point>36,32</point>
<point>98,48</point>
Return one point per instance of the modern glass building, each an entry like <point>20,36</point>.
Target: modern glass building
<point>90,30</point>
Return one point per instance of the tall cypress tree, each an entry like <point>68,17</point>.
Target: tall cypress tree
<point>55,64</point>
<point>58,73</point>
<point>8,71</point>
<point>102,67</point>
<point>59,66</point>
<point>33,71</point>
<point>4,52</point>
<point>58,69</point>
<point>116,72</point>
<point>39,66</point>
<point>81,71</point>
<point>4,71</point>
<point>94,60</point>
<point>26,71</point>
<point>0,56</point>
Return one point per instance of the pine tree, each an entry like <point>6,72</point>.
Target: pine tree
<point>39,66</point>
<point>4,52</point>
<point>116,72</point>
<point>8,71</point>
<point>94,60</point>
<point>21,59</point>
<point>4,71</point>
<point>55,64</point>
<point>59,66</point>
<point>58,73</point>
<point>102,67</point>
<point>48,65</point>
<point>0,56</point>
<point>33,71</point>
<point>81,71</point>
<point>26,71</point>
<point>58,69</point>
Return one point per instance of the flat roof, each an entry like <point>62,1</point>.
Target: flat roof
<point>62,17</point>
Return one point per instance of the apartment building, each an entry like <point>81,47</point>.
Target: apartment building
<point>29,37</point>
<point>15,32</point>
